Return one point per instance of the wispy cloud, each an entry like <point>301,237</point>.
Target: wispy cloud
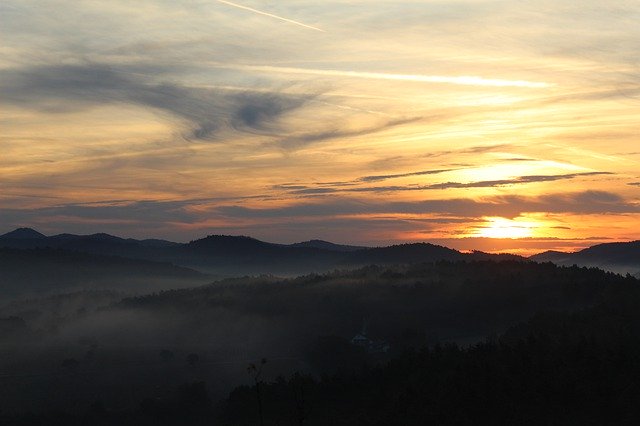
<point>375,178</point>
<point>296,141</point>
<point>416,78</point>
<point>586,202</point>
<point>333,188</point>
<point>73,87</point>
<point>514,181</point>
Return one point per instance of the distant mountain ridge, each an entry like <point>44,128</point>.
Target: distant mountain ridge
<point>622,257</point>
<point>242,255</point>
<point>321,244</point>
<point>23,234</point>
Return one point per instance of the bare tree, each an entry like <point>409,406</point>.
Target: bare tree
<point>256,373</point>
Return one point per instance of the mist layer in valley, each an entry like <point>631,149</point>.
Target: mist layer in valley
<point>69,350</point>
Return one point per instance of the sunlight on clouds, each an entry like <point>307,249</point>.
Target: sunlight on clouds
<point>515,169</point>
<point>499,227</point>
<point>180,102</point>
<point>417,78</point>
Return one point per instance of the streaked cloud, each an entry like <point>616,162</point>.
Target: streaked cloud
<point>376,178</point>
<point>60,89</point>
<point>587,202</point>
<point>349,187</point>
<point>415,78</point>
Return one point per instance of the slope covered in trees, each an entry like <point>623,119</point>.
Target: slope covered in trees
<point>69,352</point>
<point>32,272</point>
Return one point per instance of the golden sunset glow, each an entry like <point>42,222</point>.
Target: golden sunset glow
<point>498,227</point>
<point>471,123</point>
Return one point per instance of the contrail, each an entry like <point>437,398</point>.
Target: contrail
<point>291,21</point>
<point>463,80</point>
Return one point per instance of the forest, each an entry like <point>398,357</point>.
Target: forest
<point>449,342</point>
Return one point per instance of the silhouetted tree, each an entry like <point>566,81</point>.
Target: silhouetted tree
<point>256,373</point>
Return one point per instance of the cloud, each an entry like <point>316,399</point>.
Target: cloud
<point>341,218</point>
<point>375,178</point>
<point>514,181</point>
<point>298,141</point>
<point>587,202</point>
<point>465,80</point>
<point>67,88</point>
<point>331,188</point>
<point>634,183</point>
<point>479,149</point>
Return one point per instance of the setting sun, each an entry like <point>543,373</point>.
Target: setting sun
<point>499,227</point>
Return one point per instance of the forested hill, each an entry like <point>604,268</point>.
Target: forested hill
<point>47,271</point>
<point>241,255</point>
<point>575,362</point>
<point>560,368</point>
<point>445,299</point>
<point>619,257</point>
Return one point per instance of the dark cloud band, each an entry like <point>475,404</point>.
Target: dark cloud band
<point>74,87</point>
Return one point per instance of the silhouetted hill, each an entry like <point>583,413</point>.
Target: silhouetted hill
<point>560,368</point>
<point>154,242</point>
<point>403,253</point>
<point>614,253</point>
<point>237,255</point>
<point>450,299</point>
<point>23,234</point>
<point>249,255</point>
<point>47,270</point>
<point>226,245</point>
<point>326,245</point>
<point>618,257</point>
<point>551,256</point>
<point>242,255</point>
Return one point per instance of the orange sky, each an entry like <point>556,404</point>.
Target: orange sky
<point>476,124</point>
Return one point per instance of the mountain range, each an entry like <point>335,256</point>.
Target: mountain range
<point>237,255</point>
<point>224,255</point>
<point>617,257</point>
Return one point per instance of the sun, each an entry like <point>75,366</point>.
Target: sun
<point>499,227</point>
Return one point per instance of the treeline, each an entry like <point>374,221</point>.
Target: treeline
<point>584,343</point>
<point>408,305</point>
<point>580,368</point>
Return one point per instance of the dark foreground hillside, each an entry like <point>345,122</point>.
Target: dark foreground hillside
<point>579,369</point>
<point>565,350</point>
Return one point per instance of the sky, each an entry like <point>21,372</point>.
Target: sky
<point>476,124</point>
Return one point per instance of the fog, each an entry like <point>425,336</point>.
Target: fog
<point>70,350</point>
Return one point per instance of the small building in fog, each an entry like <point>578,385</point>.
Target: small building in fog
<point>361,340</point>
<point>369,345</point>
